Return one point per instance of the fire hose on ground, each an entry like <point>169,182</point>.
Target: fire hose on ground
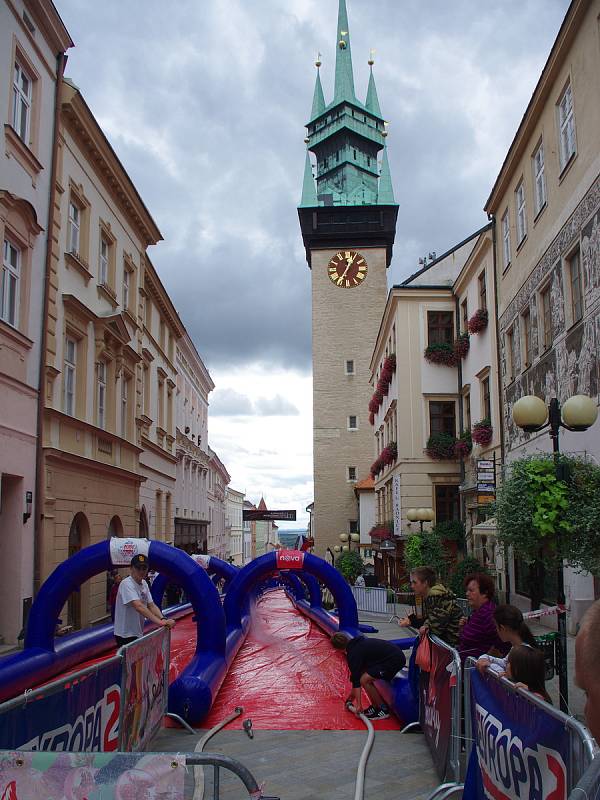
<point>359,790</point>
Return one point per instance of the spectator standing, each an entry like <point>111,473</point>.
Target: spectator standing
<point>587,659</point>
<point>478,633</point>
<point>360,581</point>
<point>134,604</point>
<point>441,612</point>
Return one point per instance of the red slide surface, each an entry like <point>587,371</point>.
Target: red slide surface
<point>287,676</point>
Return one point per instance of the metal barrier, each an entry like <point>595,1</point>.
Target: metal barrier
<point>370,599</point>
<point>588,786</point>
<point>440,705</point>
<point>119,774</point>
<point>116,704</point>
<point>580,748</point>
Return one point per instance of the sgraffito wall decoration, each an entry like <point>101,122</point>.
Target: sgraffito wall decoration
<point>572,364</point>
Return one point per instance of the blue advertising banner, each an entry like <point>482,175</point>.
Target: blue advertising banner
<point>520,751</point>
<point>82,716</point>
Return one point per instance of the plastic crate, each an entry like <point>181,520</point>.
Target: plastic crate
<point>547,644</point>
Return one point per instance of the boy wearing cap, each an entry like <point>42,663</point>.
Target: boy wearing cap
<point>134,603</point>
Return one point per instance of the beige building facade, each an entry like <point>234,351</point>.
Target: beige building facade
<point>92,379</point>
<point>218,481</point>
<point>234,505</point>
<point>33,41</point>
<point>546,207</point>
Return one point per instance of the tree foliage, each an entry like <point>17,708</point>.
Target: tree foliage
<point>351,565</point>
<point>425,549</point>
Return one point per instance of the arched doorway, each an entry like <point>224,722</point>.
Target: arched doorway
<point>79,536</point>
<point>143,524</point>
<point>115,528</point>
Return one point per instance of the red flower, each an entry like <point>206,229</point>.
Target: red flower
<point>482,432</point>
<point>371,416</point>
<point>478,321</point>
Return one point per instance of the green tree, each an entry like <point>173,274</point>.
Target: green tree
<point>351,565</point>
<point>425,549</point>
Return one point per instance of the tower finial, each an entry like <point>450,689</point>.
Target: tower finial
<point>344,78</point>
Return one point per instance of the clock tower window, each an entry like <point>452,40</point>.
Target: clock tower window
<point>350,367</point>
<point>352,422</point>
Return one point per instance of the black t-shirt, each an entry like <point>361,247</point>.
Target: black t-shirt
<point>363,652</point>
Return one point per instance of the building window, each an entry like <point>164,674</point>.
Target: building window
<point>125,407</point>
<point>74,228</point>
<point>464,316</point>
<point>9,286</point>
<point>482,290</point>
<point>350,367</point>
<point>521,213</point>
<point>162,335</point>
<point>486,405</point>
<point>526,329</point>
<point>546,318</point>
<point>69,376</point>
<point>539,179</point>
<point>440,327</point>
<point>146,390</point>
<point>352,423</point>
<point>467,410</point>
<point>576,288</point>
<point>101,393</point>
<point>506,239</point>
<point>126,287</point>
<point>442,418</point>
<point>161,403</point>
<point>510,354</point>
<point>566,122</point>
<point>446,503</point>
<point>103,260</point>
<point>353,526</point>
<point>351,473</point>
<point>22,94</point>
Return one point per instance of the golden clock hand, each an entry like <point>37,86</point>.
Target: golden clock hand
<point>349,260</point>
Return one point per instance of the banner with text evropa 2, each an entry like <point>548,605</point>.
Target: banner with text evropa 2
<point>435,706</point>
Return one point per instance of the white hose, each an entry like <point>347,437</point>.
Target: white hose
<point>359,791</point>
<point>199,770</point>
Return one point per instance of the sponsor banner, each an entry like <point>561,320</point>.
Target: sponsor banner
<point>123,550</point>
<point>146,685</point>
<point>397,505</point>
<point>120,776</point>
<point>82,715</point>
<point>290,559</point>
<point>519,750</point>
<point>202,559</point>
<point>435,707</point>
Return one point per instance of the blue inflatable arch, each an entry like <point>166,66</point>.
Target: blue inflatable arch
<point>216,567</point>
<point>256,571</point>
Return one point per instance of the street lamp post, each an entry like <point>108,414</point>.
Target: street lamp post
<point>347,539</point>
<point>420,515</point>
<point>578,413</point>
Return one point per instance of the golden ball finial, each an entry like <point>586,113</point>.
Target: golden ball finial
<point>306,140</point>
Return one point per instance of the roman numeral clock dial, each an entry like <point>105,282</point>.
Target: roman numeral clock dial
<point>347,269</point>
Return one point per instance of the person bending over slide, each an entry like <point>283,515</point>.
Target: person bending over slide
<point>369,660</point>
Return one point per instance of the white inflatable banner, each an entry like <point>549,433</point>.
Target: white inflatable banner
<point>123,550</point>
<point>202,559</point>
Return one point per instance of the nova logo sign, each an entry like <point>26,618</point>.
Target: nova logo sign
<point>290,559</point>
<point>509,769</point>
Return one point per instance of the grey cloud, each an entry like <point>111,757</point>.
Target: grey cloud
<point>229,403</point>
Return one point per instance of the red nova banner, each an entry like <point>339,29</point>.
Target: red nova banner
<point>290,559</point>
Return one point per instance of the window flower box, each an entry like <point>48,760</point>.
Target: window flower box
<point>441,354</point>
<point>482,432</point>
<point>461,346</point>
<point>464,445</point>
<point>479,321</point>
<point>441,446</point>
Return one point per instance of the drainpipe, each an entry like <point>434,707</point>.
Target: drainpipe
<point>61,60</point>
<point>463,510</point>
<point>499,379</point>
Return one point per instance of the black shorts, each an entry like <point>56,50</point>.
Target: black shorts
<point>386,670</point>
<point>123,640</point>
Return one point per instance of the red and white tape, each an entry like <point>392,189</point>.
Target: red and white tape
<point>545,612</point>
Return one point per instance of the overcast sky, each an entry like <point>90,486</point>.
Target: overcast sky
<point>205,102</point>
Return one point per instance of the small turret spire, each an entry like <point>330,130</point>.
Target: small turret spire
<point>344,77</point>
<point>385,192</point>
<point>372,102</point>
<point>318,105</point>
<point>309,191</point>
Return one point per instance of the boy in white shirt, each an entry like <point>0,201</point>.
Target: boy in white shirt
<point>134,604</point>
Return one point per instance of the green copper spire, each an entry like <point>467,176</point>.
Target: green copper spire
<point>344,78</point>
<point>309,192</point>
<point>318,106</point>
<point>372,103</point>
<point>385,194</point>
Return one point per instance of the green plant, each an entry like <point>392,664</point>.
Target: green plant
<point>425,550</point>
<point>450,530</point>
<point>351,565</point>
<point>441,353</point>
<point>441,446</point>
<point>459,573</point>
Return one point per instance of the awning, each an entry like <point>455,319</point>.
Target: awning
<point>487,528</point>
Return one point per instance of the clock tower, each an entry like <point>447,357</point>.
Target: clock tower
<point>348,222</point>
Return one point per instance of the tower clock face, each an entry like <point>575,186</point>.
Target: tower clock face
<point>347,269</point>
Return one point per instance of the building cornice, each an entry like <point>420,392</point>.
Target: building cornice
<point>554,64</point>
<point>153,286</point>
<point>78,117</point>
<point>60,456</point>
